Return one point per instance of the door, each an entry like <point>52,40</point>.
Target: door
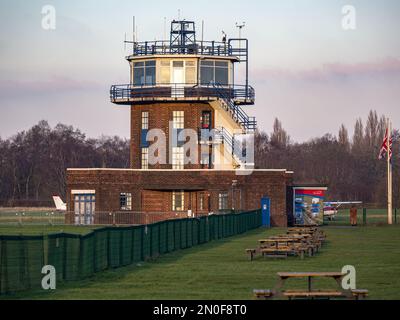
<point>266,212</point>
<point>84,207</point>
<point>178,79</point>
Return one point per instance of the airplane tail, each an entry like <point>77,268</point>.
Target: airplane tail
<point>60,205</point>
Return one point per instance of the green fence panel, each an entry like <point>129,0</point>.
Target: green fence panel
<point>155,240</point>
<point>207,229</point>
<point>183,234</point>
<point>101,249</point>
<point>220,227</point>
<point>195,232</point>
<point>163,237</point>
<point>21,263</point>
<point>87,254</point>
<point>126,250</point>
<point>147,242</point>
<point>203,226</point>
<point>71,256</point>
<point>137,244</point>
<point>170,236</point>
<point>189,228</point>
<point>114,247</point>
<point>75,256</point>
<point>177,234</point>
<point>55,254</point>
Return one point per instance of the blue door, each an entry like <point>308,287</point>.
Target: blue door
<point>266,212</point>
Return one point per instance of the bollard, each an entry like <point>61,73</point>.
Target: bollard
<point>364,216</point>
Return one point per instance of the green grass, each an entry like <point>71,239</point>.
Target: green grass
<point>374,217</point>
<point>221,270</point>
<point>32,230</point>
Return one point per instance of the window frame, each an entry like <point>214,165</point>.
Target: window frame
<point>214,66</point>
<point>223,201</point>
<point>178,158</point>
<point>144,159</point>
<point>125,201</point>
<point>181,208</point>
<point>145,120</point>
<point>148,69</point>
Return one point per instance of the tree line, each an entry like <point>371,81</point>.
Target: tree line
<point>33,163</point>
<point>348,166</point>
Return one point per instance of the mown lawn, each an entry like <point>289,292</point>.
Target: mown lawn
<point>221,270</point>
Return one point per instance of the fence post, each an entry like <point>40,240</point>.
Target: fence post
<point>364,216</point>
<point>395,215</point>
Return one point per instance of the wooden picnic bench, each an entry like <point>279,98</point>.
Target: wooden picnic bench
<point>310,293</point>
<point>281,247</point>
<point>262,294</point>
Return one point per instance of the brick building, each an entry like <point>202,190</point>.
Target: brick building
<point>191,150</point>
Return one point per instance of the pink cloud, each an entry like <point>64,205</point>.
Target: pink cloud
<point>332,71</point>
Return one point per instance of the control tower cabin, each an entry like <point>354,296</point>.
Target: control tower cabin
<point>182,92</point>
<point>190,83</point>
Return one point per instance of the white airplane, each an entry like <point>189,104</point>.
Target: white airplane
<point>60,205</point>
<point>331,208</point>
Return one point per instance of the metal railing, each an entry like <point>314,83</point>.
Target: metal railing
<point>239,94</point>
<point>249,123</point>
<point>208,48</point>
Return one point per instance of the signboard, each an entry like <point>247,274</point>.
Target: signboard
<point>309,205</point>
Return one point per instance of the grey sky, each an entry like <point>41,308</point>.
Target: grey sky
<point>305,68</point>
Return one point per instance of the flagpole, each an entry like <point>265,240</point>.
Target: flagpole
<point>389,173</point>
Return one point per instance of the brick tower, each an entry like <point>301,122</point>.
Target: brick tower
<point>189,139</point>
<point>187,84</point>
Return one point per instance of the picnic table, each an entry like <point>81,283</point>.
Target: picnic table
<point>297,241</point>
<point>310,292</point>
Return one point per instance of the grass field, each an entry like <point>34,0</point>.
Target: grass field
<point>374,217</point>
<point>221,270</point>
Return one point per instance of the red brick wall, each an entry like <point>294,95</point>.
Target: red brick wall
<point>152,190</point>
<point>159,116</point>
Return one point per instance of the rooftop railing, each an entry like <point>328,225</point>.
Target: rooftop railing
<point>209,48</point>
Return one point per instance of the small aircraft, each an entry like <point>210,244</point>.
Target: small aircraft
<point>60,205</point>
<point>331,208</point>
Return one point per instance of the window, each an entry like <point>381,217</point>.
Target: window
<point>178,119</point>
<point>145,158</point>
<point>190,71</point>
<point>178,158</point>
<point>206,120</point>
<point>178,201</point>
<point>144,73</point>
<point>165,71</point>
<point>201,201</point>
<point>145,120</point>
<point>125,201</point>
<point>214,72</point>
<point>223,201</point>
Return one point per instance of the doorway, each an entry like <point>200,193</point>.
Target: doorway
<point>178,79</point>
<point>84,208</point>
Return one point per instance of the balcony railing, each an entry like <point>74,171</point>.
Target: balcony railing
<point>208,48</point>
<point>128,93</point>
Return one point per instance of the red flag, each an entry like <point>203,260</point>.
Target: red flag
<point>384,147</point>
